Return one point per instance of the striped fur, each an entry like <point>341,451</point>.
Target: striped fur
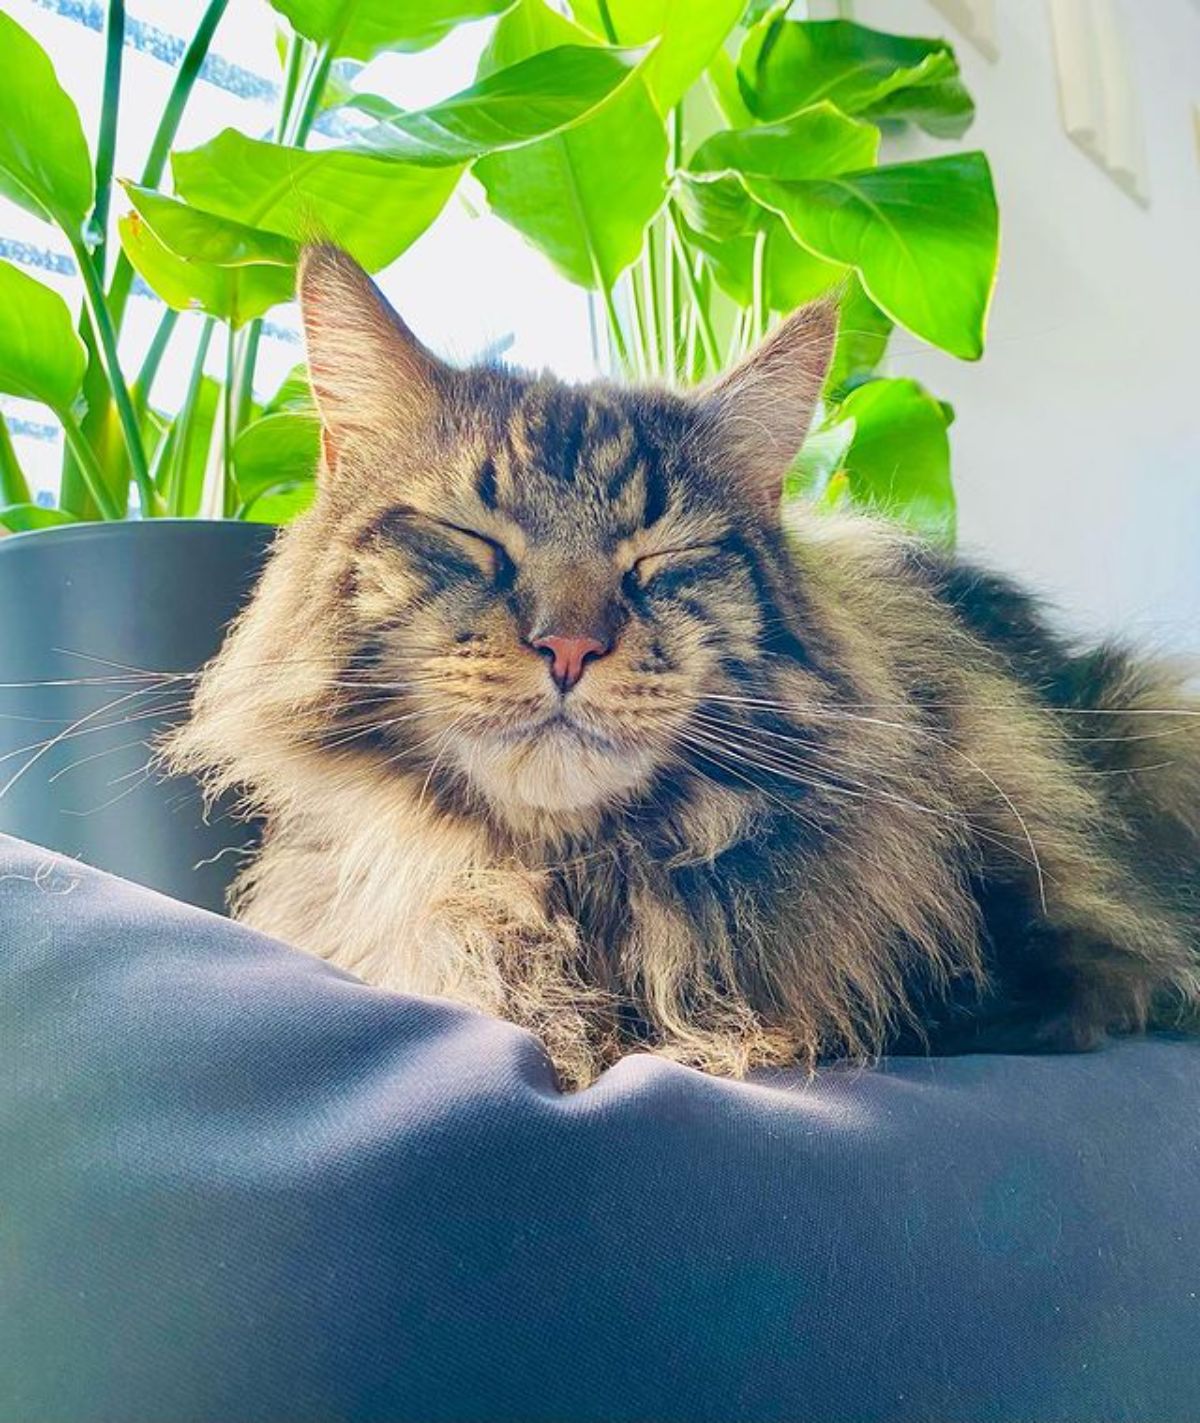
<point>830,793</point>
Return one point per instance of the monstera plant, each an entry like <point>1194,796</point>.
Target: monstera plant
<point>700,166</point>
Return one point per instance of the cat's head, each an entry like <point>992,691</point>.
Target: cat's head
<point>537,584</point>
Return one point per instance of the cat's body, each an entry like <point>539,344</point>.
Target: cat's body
<point>545,712</point>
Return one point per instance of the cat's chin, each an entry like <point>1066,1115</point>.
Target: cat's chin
<point>558,768</point>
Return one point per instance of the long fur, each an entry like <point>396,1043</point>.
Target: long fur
<point>831,792</point>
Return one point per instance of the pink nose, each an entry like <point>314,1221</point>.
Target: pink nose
<point>569,656</point>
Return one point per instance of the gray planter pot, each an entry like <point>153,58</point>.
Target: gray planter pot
<point>86,611</point>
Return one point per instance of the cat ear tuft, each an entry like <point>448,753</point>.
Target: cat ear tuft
<point>369,373</point>
<point>759,412</point>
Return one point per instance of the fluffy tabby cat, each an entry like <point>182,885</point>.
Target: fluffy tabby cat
<point>546,711</point>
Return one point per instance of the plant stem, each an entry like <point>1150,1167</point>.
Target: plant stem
<point>144,383</point>
<point>593,329</point>
<point>228,490</point>
<point>168,125</point>
<point>245,378</point>
<point>89,468</point>
<point>297,51</point>
<point>707,337</point>
<point>102,324</point>
<point>314,87</point>
<point>616,336</point>
<point>606,20</point>
<point>72,489</point>
<point>758,317</point>
<point>654,322</point>
<point>672,306</point>
<point>160,461</point>
<point>189,71</point>
<point>671,332</point>
<point>13,487</point>
<point>119,289</point>
<point>185,421</point>
<point>675,132</point>
<point>693,362</point>
<point>737,336</point>
<point>638,317</point>
<point>106,318</point>
<point>106,141</point>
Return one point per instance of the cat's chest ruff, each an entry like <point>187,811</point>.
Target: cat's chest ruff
<point>364,872</point>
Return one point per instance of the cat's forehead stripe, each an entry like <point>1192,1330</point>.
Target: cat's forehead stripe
<point>485,483</point>
<point>551,427</point>
<point>563,437</point>
<point>572,440</point>
<point>656,495</point>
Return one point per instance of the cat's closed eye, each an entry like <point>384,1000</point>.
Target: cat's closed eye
<point>441,544</point>
<point>489,552</point>
<point>650,565</point>
<point>447,542</point>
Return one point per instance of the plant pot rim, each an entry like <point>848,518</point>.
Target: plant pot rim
<point>109,528</point>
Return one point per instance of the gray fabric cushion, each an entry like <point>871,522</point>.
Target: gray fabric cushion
<point>236,1184</point>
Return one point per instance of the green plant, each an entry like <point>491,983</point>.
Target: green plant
<point>701,166</point>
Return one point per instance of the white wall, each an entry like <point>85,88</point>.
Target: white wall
<point>1077,446</point>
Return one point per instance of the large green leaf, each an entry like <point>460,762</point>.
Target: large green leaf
<point>41,355</point>
<point>862,337</point>
<point>816,143</point>
<point>361,29</point>
<point>372,206</point>
<point>718,205</point>
<point>234,294</point>
<point>898,461</point>
<point>200,236</point>
<point>730,261</point>
<point>14,488</point>
<point>820,459</point>
<point>276,453</point>
<point>20,518</point>
<point>721,211</point>
<point>688,35</point>
<point>922,236</point>
<point>516,105</point>
<point>583,197</point>
<point>944,109</point>
<point>280,506</point>
<point>294,394</point>
<point>792,274</point>
<point>44,160</point>
<point>721,81</point>
<point>275,460</point>
<point>786,65</point>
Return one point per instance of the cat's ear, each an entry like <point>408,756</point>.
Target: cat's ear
<point>758,414</point>
<point>369,373</point>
